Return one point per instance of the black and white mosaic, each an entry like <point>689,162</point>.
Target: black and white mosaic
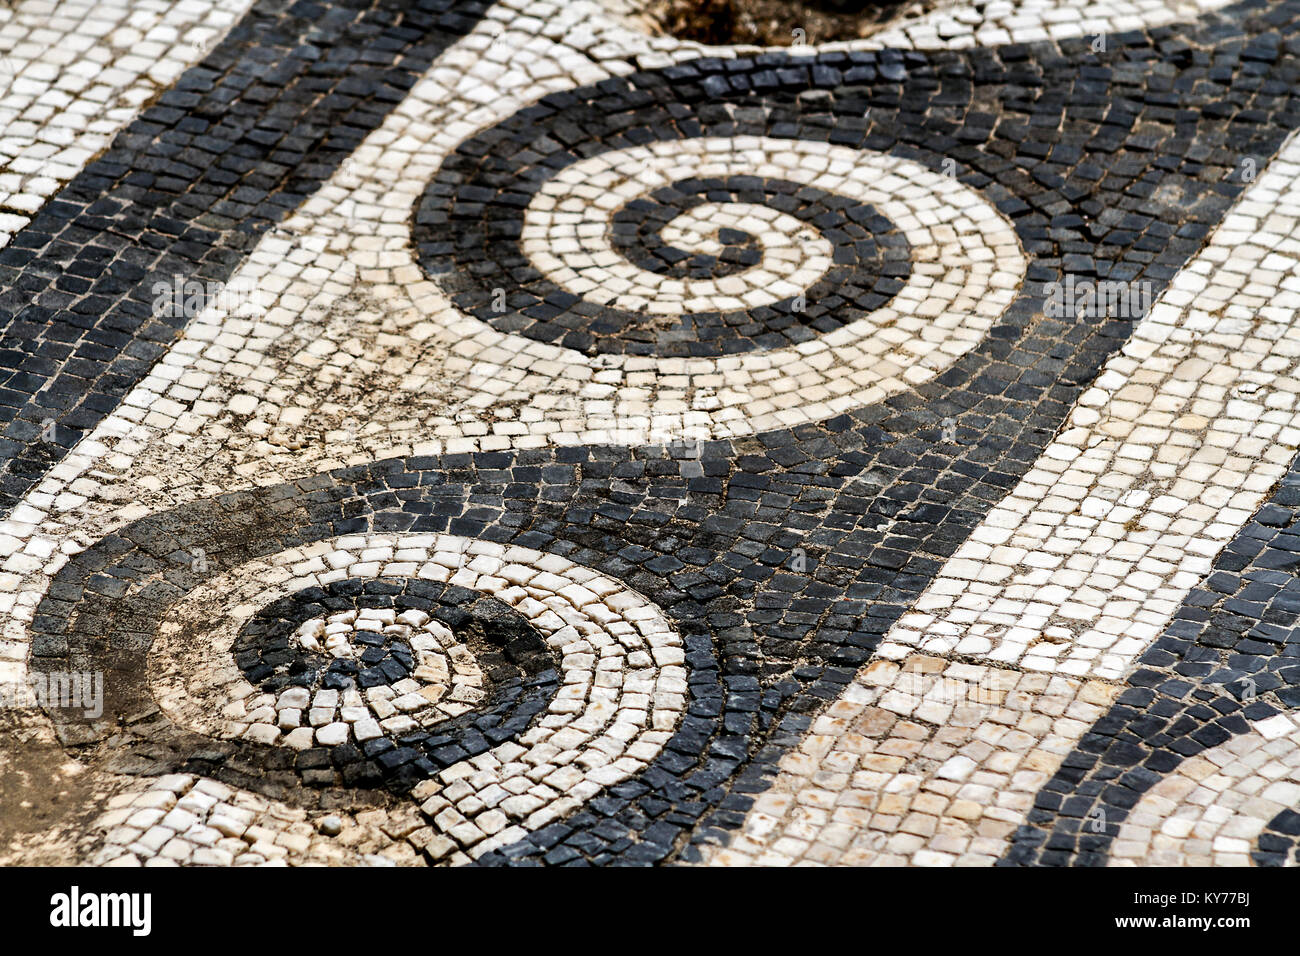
<point>586,448</point>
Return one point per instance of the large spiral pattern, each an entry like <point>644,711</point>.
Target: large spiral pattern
<point>861,251</point>
<point>574,662</point>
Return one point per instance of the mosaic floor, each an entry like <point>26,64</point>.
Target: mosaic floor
<point>442,433</point>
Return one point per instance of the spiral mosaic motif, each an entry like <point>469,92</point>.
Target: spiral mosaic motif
<point>422,658</point>
<point>644,460</point>
<point>612,238</point>
<point>388,664</point>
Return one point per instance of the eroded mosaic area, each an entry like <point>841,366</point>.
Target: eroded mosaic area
<point>452,433</point>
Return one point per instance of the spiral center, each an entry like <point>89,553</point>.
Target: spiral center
<point>406,658</point>
<point>714,257</point>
